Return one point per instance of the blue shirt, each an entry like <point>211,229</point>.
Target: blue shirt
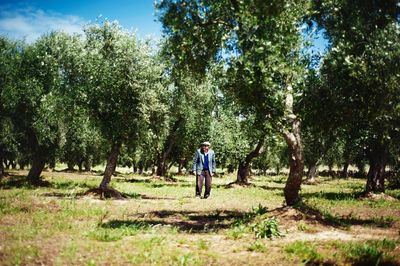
<point>205,164</point>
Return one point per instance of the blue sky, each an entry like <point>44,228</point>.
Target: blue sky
<point>29,19</point>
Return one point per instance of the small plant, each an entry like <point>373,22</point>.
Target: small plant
<point>302,226</point>
<point>203,245</point>
<point>268,228</point>
<point>259,210</point>
<point>248,217</point>
<point>257,246</point>
<point>237,231</point>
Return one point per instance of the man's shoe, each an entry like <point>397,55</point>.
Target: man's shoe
<point>197,196</point>
<point>206,196</point>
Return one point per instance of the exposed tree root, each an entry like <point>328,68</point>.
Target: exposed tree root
<point>377,196</point>
<point>107,193</point>
<point>310,182</point>
<point>239,184</point>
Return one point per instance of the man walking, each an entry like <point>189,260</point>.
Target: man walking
<point>204,167</point>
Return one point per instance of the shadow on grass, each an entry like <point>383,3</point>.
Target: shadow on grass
<point>21,181</point>
<point>339,196</point>
<point>186,221</point>
<point>326,218</point>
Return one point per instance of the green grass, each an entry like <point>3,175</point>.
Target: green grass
<point>161,223</point>
<point>373,252</point>
<point>306,252</point>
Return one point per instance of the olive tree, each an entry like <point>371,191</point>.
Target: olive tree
<point>122,79</point>
<point>260,43</point>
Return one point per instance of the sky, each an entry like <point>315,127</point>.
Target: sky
<point>30,19</point>
<point>22,19</point>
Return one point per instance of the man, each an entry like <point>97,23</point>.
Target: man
<point>204,167</point>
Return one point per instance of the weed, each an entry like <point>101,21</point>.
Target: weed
<point>268,228</point>
<point>302,226</point>
<point>203,245</point>
<point>259,210</point>
<point>257,246</point>
<point>248,217</point>
<point>238,231</point>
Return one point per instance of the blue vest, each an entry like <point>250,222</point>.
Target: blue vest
<point>205,165</point>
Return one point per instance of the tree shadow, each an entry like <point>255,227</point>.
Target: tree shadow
<point>271,188</point>
<point>184,221</point>
<point>326,218</point>
<point>339,196</point>
<point>21,181</point>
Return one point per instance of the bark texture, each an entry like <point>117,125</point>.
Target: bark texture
<point>296,157</point>
<point>378,158</point>
<point>110,167</point>
<point>244,168</point>
<point>36,169</point>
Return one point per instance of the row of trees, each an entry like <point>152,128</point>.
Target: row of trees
<point>237,73</point>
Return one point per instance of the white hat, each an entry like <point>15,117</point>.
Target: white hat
<point>206,143</point>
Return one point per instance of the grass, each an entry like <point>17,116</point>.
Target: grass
<point>161,223</point>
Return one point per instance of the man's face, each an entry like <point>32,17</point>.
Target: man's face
<point>205,148</point>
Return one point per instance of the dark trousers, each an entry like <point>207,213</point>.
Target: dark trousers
<point>199,182</point>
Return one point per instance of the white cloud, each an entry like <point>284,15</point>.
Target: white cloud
<point>30,23</point>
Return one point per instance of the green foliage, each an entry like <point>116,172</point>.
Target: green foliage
<point>123,80</point>
<point>267,228</point>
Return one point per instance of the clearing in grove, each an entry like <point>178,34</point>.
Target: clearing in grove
<point>161,223</point>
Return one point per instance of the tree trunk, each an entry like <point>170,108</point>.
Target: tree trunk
<point>312,172</point>
<point>162,162</point>
<point>36,169</point>
<point>8,164</point>
<point>180,167</point>
<point>88,165</point>
<point>110,167</point>
<point>243,172</point>
<point>345,171</point>
<point>1,166</point>
<point>378,158</point>
<point>296,158</point>
<point>70,166</point>
<point>80,166</point>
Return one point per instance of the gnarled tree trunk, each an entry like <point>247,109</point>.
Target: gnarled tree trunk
<point>162,161</point>
<point>378,158</point>
<point>296,157</point>
<point>110,167</point>
<point>312,171</point>
<point>243,172</point>
<point>36,169</point>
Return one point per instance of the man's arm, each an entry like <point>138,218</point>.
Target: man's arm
<point>214,165</point>
<point>196,157</point>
